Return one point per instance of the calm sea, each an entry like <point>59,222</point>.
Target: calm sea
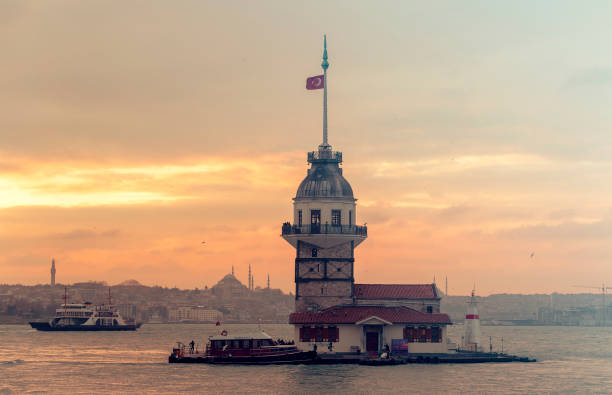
<point>570,359</point>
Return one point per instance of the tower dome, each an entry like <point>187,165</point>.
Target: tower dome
<point>324,179</point>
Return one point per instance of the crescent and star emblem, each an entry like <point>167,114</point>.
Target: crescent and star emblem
<point>317,82</point>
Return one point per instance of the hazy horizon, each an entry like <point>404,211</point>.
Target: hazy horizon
<point>474,135</point>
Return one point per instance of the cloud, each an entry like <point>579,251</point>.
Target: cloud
<point>593,78</point>
<point>84,234</point>
<point>586,229</point>
<point>68,184</point>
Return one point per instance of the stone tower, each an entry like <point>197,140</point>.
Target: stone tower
<point>52,272</point>
<point>324,231</point>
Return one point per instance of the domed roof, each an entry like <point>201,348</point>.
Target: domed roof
<point>324,180</point>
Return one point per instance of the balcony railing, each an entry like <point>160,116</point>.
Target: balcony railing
<point>325,155</point>
<point>325,229</point>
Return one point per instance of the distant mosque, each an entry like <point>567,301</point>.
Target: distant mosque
<point>230,286</point>
<point>331,310</point>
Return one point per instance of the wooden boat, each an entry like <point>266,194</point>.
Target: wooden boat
<point>253,348</point>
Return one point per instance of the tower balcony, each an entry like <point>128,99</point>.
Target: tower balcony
<point>325,155</point>
<point>324,235</point>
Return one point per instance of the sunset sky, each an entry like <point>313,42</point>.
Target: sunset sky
<point>474,133</point>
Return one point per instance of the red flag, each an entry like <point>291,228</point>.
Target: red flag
<point>218,323</point>
<point>316,82</point>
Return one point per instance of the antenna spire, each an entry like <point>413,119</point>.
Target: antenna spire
<point>325,65</point>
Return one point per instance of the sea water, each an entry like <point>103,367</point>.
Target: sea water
<point>570,359</point>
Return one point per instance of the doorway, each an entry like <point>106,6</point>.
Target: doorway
<point>372,342</point>
<point>315,221</point>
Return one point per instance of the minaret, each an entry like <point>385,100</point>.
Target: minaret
<point>324,231</point>
<point>52,271</point>
<point>250,278</point>
<point>268,280</point>
<point>232,270</point>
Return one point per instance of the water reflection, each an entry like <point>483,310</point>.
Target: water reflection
<point>137,362</point>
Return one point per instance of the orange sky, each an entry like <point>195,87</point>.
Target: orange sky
<point>472,137</point>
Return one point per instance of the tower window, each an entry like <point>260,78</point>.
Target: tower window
<point>299,217</point>
<point>315,252</point>
<point>335,217</point>
<point>315,217</point>
<point>321,290</point>
<point>350,217</point>
<point>429,309</point>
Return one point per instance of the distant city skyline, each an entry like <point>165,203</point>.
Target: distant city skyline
<point>165,143</point>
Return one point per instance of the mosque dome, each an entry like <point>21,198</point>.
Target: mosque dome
<point>325,180</point>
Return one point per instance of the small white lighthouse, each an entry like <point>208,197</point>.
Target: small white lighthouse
<point>471,336</point>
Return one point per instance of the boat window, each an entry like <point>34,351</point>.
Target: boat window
<point>255,343</point>
<point>236,344</point>
<point>245,344</point>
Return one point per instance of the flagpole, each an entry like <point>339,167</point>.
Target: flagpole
<point>325,65</point>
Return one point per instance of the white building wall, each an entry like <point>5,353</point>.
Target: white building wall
<point>351,336</point>
<point>397,332</point>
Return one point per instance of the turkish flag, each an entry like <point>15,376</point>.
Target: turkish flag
<point>317,82</point>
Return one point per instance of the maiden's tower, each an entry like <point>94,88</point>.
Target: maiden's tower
<point>331,310</point>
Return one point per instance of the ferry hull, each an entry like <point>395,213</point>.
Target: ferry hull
<point>286,358</point>
<point>44,326</point>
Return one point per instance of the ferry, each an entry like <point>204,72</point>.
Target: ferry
<point>252,348</point>
<point>86,317</point>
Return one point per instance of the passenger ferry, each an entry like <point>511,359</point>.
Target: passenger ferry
<point>253,348</point>
<point>86,317</point>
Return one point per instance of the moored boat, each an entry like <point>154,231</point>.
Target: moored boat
<point>252,348</point>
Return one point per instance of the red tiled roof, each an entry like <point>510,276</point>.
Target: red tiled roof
<point>395,291</point>
<point>353,314</point>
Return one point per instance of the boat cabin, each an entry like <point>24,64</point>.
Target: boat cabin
<point>258,343</point>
